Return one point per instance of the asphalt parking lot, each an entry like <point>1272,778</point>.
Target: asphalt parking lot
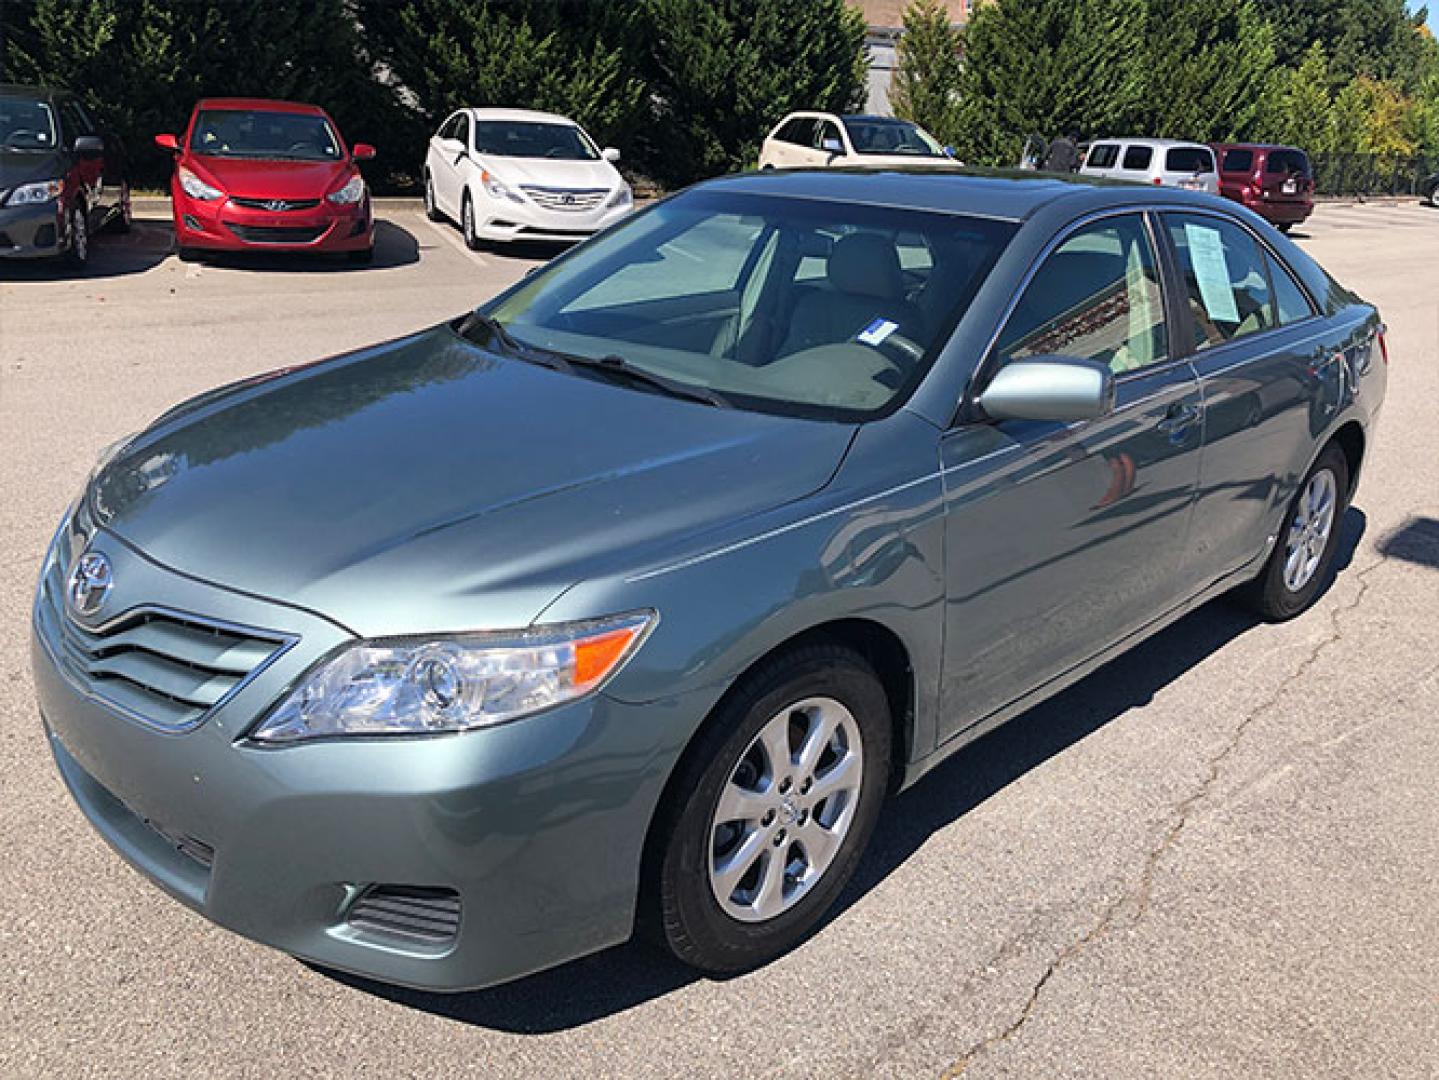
<point>1216,857</point>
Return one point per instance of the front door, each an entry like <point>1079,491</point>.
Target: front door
<point>1062,539</point>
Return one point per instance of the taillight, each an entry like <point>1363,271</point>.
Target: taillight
<point>1383,345</point>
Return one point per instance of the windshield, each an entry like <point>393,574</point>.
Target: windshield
<point>872,135</point>
<point>798,306</point>
<point>275,136</point>
<point>523,138</point>
<point>26,125</point>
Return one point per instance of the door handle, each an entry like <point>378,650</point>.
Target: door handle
<point>1177,419</point>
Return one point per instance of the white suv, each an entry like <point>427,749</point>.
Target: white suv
<point>817,139</point>
<point>513,174</point>
<point>1154,161</point>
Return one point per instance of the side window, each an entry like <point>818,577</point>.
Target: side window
<point>1096,297</point>
<point>447,129</point>
<point>1291,301</point>
<point>1225,278</point>
<point>1238,161</point>
<point>1103,156</point>
<point>800,131</point>
<point>1138,157</point>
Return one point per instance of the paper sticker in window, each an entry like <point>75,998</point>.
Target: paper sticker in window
<point>1206,257</point>
<point>876,332</point>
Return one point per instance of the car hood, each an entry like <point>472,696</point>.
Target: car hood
<point>254,179</point>
<point>884,161</point>
<point>547,172</point>
<point>22,166</point>
<point>427,485</point>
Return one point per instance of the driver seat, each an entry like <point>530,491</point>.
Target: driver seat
<point>866,283</point>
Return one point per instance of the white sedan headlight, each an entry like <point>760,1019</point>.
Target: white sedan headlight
<point>38,192</point>
<point>422,686</point>
<point>496,189</point>
<point>350,194</point>
<point>196,188</point>
<point>623,196</point>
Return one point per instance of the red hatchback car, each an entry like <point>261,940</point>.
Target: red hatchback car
<point>1276,182</point>
<point>254,175</point>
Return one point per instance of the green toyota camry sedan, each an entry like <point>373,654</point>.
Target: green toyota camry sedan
<point>623,602</point>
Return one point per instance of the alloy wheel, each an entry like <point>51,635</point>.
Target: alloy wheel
<point>785,810</point>
<point>467,215</point>
<point>79,235</point>
<point>1309,530</point>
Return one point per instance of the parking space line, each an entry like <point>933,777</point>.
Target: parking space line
<point>453,239</point>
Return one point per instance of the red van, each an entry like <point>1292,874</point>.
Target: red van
<point>1276,182</point>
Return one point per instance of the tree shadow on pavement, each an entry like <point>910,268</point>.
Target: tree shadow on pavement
<point>629,975</point>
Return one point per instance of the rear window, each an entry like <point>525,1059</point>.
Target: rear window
<point>1238,160</point>
<point>1102,156</point>
<point>1138,157</point>
<point>1190,159</point>
<point>1287,163</point>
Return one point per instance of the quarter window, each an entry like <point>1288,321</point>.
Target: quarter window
<point>1226,281</point>
<point>1096,297</point>
<point>799,131</point>
<point>1138,157</point>
<point>1289,298</point>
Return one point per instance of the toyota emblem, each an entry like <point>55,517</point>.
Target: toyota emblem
<point>90,581</point>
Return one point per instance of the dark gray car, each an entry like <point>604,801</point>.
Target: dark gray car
<point>61,179</point>
<point>626,600</point>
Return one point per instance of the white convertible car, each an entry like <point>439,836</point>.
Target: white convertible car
<point>513,174</point>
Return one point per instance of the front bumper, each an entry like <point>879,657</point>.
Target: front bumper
<point>537,827</point>
<point>223,225</point>
<point>504,221</point>
<point>34,231</point>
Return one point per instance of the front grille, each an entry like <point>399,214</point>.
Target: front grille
<point>411,912</point>
<point>565,198</point>
<point>568,234</point>
<point>275,234</point>
<point>164,668</point>
<point>279,206</point>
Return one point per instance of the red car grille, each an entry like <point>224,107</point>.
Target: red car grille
<point>280,206</point>
<point>276,234</point>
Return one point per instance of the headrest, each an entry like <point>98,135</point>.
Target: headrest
<point>866,264</point>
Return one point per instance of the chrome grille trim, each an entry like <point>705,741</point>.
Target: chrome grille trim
<point>165,669</point>
<point>568,199</point>
<point>263,204</point>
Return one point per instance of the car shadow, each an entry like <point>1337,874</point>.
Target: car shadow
<point>112,254</point>
<point>1416,541</point>
<point>394,246</point>
<point>628,975</point>
<point>528,250</point>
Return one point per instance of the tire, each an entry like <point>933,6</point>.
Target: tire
<point>1290,583</point>
<point>697,854</point>
<point>467,223</point>
<point>77,254</point>
<point>124,217</point>
<point>432,208</point>
<point>1285,226</point>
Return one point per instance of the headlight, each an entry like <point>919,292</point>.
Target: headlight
<point>350,194</point>
<point>422,686</point>
<point>622,196</point>
<point>496,190</point>
<point>38,192</point>
<point>196,188</point>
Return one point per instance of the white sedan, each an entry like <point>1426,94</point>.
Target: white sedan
<point>513,174</point>
<point>816,139</point>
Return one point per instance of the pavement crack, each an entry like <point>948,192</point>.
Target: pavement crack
<point>1136,899</point>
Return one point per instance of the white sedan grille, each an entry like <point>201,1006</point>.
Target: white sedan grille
<point>564,198</point>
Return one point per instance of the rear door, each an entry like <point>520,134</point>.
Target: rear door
<point>1266,363</point>
<point>1062,539</point>
<point>1286,179</point>
<point>1190,167</point>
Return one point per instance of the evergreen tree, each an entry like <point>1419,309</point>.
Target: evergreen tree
<point>723,72</point>
<point>1210,66</point>
<point>1301,113</point>
<point>1040,67</point>
<point>926,83</point>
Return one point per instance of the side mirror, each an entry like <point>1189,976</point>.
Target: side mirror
<point>1055,388</point>
<point>168,142</point>
<point>362,151</point>
<point>89,145</point>
<point>610,154</point>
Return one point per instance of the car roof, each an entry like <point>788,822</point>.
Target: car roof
<point>1158,144</point>
<point>1253,146</point>
<point>1003,194</point>
<point>531,115</point>
<point>266,104</point>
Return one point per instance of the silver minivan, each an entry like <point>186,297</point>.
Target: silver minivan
<point>1154,161</point>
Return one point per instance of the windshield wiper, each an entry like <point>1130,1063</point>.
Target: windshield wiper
<point>673,387</point>
<point>511,344</point>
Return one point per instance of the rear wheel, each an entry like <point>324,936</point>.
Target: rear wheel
<point>772,809</point>
<point>1303,557</point>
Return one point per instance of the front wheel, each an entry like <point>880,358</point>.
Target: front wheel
<point>78,253</point>
<point>1303,557</point>
<point>124,218</point>
<point>467,224</point>
<point>772,809</point>
<point>432,208</point>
